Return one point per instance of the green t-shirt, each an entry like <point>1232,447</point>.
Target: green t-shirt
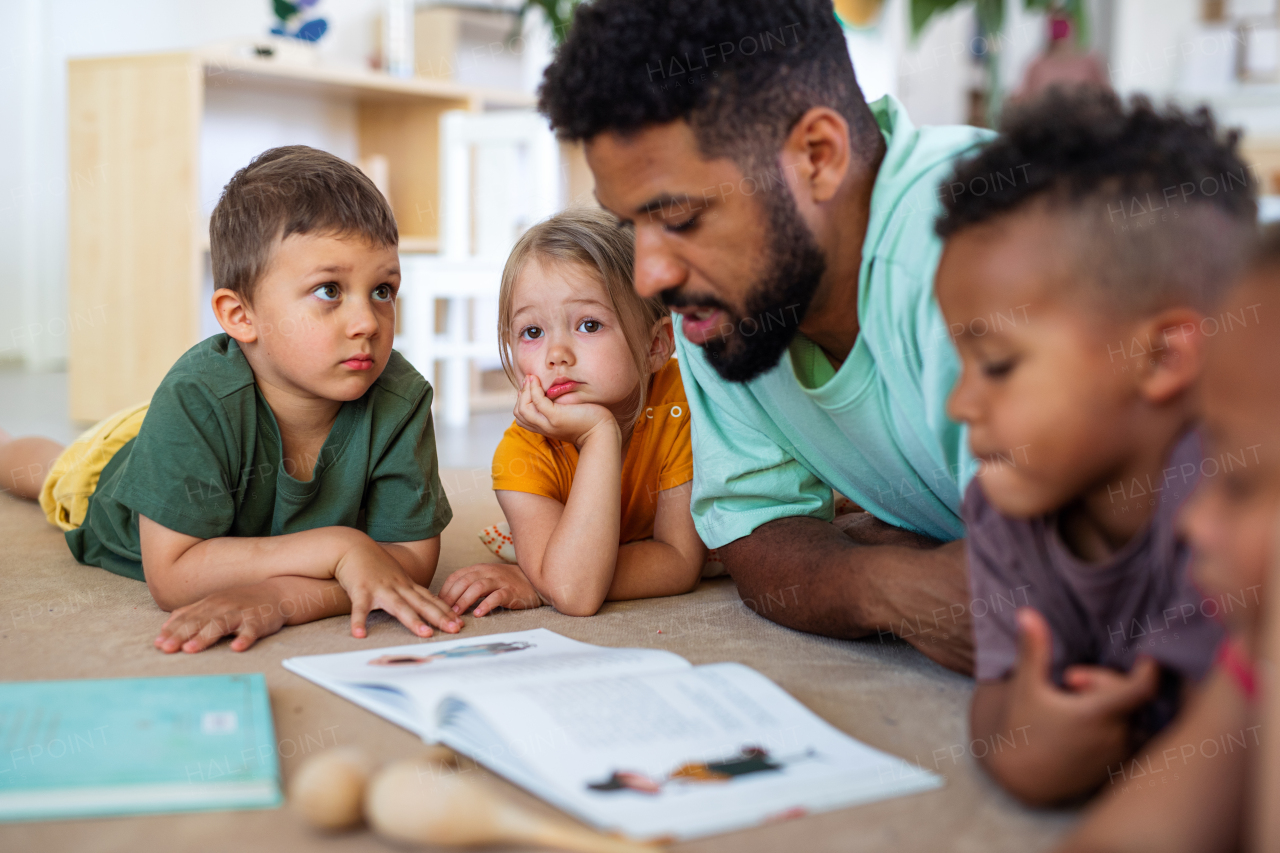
<point>876,430</point>
<point>208,463</point>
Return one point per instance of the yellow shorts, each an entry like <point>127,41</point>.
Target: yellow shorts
<point>64,497</point>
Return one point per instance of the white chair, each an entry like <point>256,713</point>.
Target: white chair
<point>499,173</point>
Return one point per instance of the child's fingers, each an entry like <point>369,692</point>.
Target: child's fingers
<point>1035,646</point>
<point>407,614</point>
<point>499,598</point>
<point>541,403</point>
<point>434,610</point>
<point>1134,690</point>
<point>359,614</point>
<point>173,635</point>
<point>210,632</point>
<point>176,630</point>
<point>533,417</point>
<point>524,400</point>
<point>479,588</point>
<point>246,635</point>
<point>449,589</point>
<point>456,583</point>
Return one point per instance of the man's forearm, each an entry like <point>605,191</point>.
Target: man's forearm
<point>806,574</point>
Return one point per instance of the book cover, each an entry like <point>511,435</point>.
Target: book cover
<point>92,748</point>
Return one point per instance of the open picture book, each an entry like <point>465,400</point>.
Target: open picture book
<point>635,741</point>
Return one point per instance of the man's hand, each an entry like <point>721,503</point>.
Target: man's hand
<point>930,602</point>
<point>375,581</point>
<point>569,422</point>
<point>1071,736</point>
<point>498,584</point>
<point>250,612</point>
<point>825,583</point>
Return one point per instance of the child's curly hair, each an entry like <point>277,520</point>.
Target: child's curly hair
<point>1164,206</point>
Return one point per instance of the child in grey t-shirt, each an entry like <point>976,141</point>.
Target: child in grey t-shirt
<point>1137,602</point>
<point>1079,294</point>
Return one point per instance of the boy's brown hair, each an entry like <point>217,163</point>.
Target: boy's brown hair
<point>294,189</point>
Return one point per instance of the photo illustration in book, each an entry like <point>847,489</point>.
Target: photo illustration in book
<point>476,651</point>
<point>748,761</point>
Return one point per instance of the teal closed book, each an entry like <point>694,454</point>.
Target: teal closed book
<point>136,745</point>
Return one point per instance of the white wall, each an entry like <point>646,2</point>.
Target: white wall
<point>932,74</point>
<point>37,37</point>
<point>1145,51</point>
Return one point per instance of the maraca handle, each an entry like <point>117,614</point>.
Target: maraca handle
<point>577,840</point>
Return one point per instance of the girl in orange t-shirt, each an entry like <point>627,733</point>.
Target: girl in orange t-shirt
<point>594,475</point>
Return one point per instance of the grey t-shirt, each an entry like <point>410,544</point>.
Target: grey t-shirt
<point>1141,601</point>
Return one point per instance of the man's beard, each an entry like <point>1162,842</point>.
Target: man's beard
<point>776,302</point>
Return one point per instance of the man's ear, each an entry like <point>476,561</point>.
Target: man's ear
<point>234,315</point>
<point>662,344</point>
<point>1165,373</point>
<point>816,155</point>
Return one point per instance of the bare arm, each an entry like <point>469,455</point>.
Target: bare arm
<point>668,564</point>
<point>1189,799</point>
<point>806,574</point>
<point>568,551</point>
<point>181,569</point>
<point>251,613</point>
<point>570,554</point>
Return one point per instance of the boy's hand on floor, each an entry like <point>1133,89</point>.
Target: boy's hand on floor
<point>569,422</point>
<point>250,612</point>
<point>375,581</point>
<point>1073,733</point>
<point>498,584</point>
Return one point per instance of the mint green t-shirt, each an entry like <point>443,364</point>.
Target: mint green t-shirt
<point>208,463</point>
<point>876,429</point>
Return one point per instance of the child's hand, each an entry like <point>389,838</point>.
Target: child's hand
<point>504,584</point>
<point>1096,693</point>
<point>1077,732</point>
<point>375,581</point>
<point>250,612</point>
<point>571,422</point>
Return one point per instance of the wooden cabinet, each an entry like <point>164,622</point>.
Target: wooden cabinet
<point>138,219</point>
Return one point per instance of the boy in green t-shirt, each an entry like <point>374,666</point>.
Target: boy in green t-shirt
<point>284,471</point>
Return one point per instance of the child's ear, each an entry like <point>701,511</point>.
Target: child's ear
<point>1173,369</point>
<point>662,344</point>
<point>234,315</point>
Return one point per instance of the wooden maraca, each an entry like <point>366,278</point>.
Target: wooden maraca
<point>414,801</point>
<point>329,787</point>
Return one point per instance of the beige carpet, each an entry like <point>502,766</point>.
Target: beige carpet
<point>62,620</point>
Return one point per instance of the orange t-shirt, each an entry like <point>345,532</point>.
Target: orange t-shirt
<point>659,457</point>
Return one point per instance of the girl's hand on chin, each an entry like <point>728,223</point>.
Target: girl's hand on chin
<point>570,422</point>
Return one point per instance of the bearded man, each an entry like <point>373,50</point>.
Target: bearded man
<point>790,226</point>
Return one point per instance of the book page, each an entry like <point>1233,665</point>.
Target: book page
<point>677,754</point>
<point>406,683</point>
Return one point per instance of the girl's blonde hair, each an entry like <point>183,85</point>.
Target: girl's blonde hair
<point>592,238</point>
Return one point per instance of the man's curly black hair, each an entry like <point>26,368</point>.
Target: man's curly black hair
<point>1163,206</point>
<point>741,72</point>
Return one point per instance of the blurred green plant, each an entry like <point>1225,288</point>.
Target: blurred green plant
<point>558,14</point>
<point>991,12</point>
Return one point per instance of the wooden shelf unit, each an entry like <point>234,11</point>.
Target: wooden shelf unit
<point>137,236</point>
